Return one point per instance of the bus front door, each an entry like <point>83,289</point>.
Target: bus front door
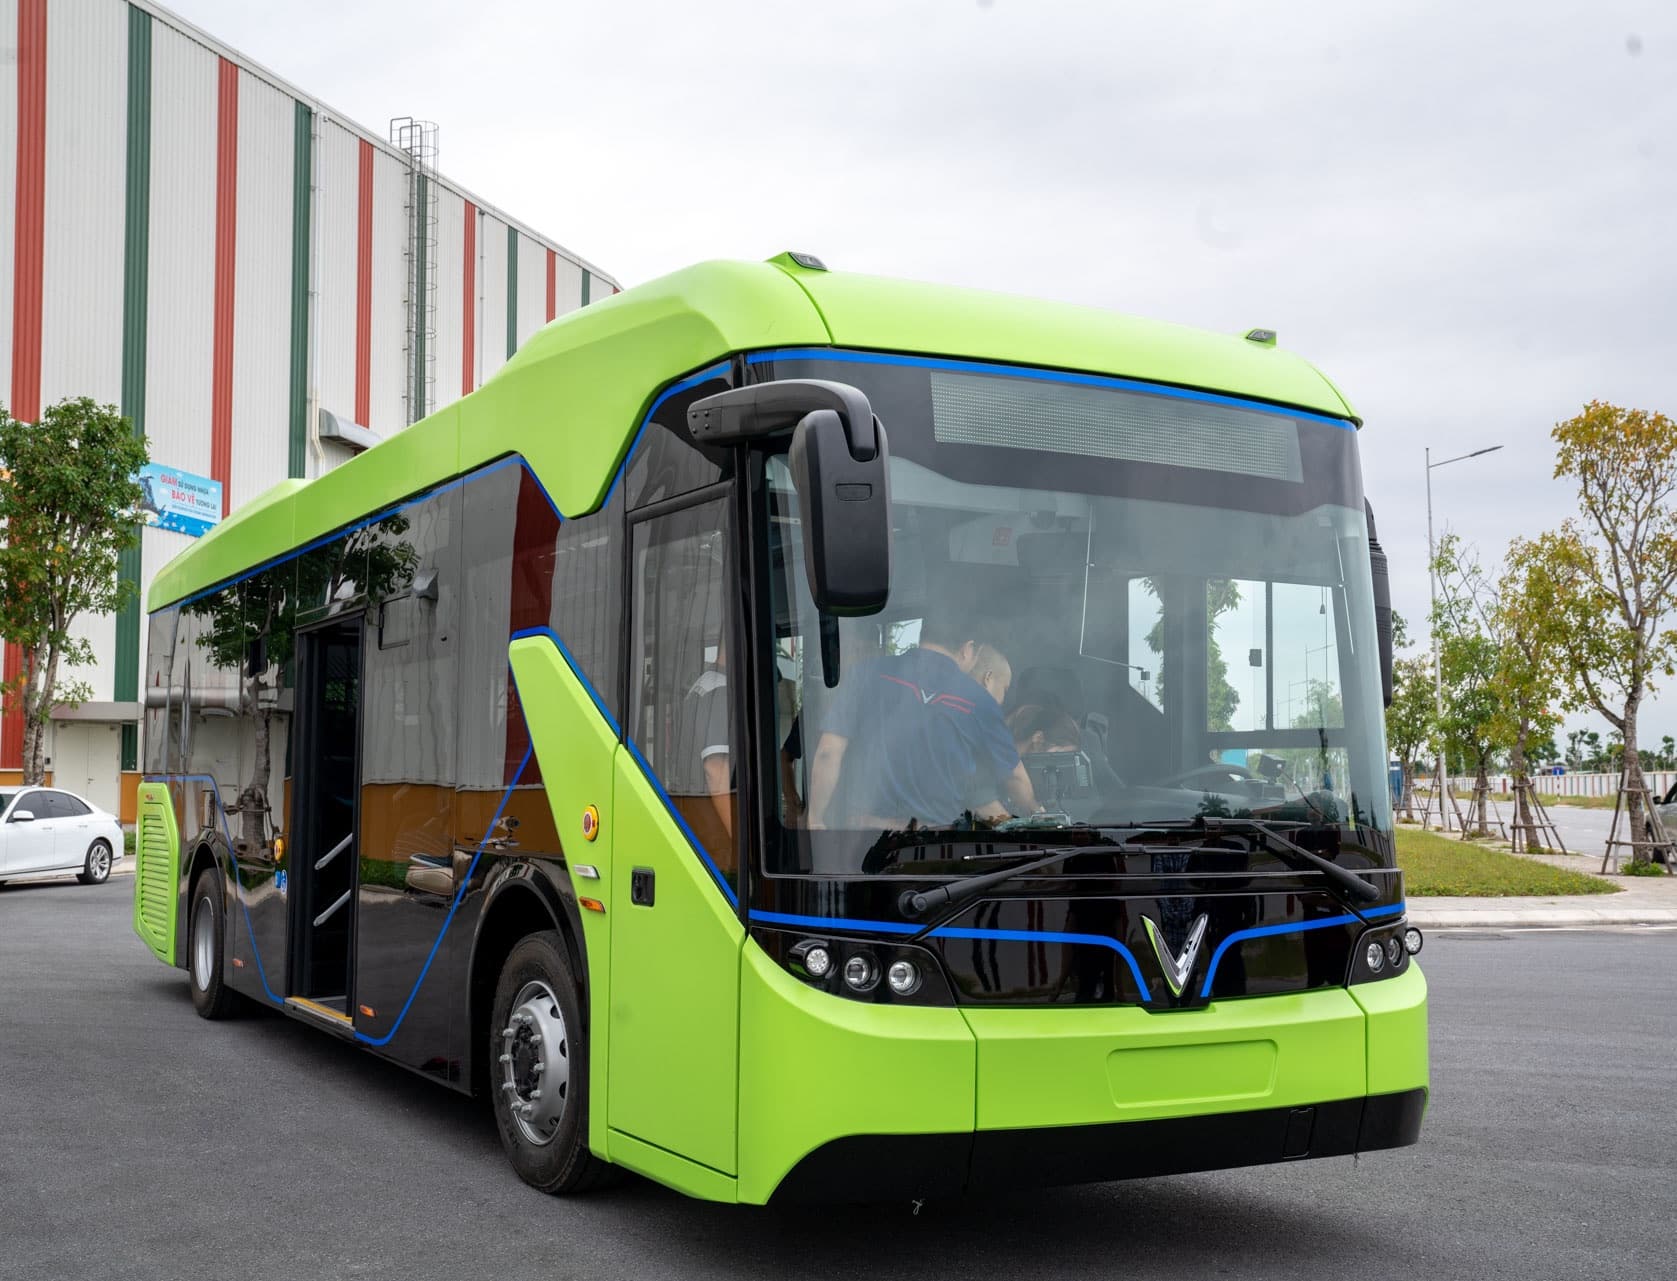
<point>675,934</point>
<point>325,853</point>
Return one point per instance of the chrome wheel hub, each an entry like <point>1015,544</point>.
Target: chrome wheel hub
<point>100,863</point>
<point>203,945</point>
<point>535,1058</point>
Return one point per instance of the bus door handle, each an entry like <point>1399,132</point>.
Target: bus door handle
<point>642,887</point>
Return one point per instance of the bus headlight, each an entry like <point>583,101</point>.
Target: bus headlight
<point>861,972</point>
<point>812,957</point>
<point>876,971</point>
<point>903,977</point>
<point>1394,952</point>
<point>1412,940</point>
<point>1375,958</point>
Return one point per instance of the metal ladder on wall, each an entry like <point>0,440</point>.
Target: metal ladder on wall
<point>418,139</point>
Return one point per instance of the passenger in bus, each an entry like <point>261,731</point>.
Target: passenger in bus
<point>1043,729</point>
<point>704,735</point>
<point>929,735</point>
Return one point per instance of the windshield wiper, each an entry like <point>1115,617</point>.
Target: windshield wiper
<point>919,902</point>
<point>1291,852</point>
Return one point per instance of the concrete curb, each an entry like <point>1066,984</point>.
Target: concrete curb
<point>1502,914</point>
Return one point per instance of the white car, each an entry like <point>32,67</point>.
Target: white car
<point>46,831</point>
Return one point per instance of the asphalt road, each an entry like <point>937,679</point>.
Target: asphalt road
<point>138,1141</point>
<point>1585,831</point>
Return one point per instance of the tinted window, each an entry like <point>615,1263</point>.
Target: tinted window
<point>63,805</point>
<point>665,461</point>
<point>680,719</point>
<point>525,570</point>
<point>160,647</point>
<point>211,687</point>
<point>488,751</point>
<point>587,610</point>
<point>267,677</point>
<point>408,709</point>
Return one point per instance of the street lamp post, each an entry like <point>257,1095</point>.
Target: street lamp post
<point>1439,780</point>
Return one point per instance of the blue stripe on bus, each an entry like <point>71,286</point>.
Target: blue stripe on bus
<point>822,923</point>
<point>635,752</point>
<point>346,530</point>
<point>1291,927</point>
<point>459,894</point>
<point>825,923</point>
<point>675,389</point>
<point>548,633</point>
<point>675,814</point>
<point>846,356</point>
<point>516,460</point>
<point>448,920</point>
<point>1052,936</point>
<point>227,833</point>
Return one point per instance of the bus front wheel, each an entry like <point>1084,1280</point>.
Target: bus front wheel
<point>539,1068</point>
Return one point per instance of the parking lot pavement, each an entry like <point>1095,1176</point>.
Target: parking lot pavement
<point>140,1141</point>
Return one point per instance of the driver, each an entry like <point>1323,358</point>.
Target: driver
<point>930,727</point>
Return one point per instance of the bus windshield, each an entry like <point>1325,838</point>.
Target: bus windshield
<point>1110,604</point>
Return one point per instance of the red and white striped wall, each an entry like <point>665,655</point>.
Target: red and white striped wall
<point>187,236</point>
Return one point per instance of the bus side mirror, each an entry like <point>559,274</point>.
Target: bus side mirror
<point>846,506</point>
<point>839,464</point>
<point>1382,603</point>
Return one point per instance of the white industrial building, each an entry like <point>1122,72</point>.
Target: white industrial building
<point>262,286</point>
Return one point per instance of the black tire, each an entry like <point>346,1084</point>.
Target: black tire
<point>205,975</point>
<point>561,1162</point>
<point>96,867</point>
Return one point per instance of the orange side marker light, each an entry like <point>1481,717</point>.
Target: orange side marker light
<point>592,904</point>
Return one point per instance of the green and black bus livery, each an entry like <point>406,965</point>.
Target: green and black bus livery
<point>506,749</point>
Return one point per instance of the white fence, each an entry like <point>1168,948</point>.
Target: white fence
<point>1659,783</point>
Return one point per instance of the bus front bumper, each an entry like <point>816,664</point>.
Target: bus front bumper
<point>842,1101</point>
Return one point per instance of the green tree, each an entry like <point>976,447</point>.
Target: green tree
<point>1409,719</point>
<point>67,501</point>
<point>1615,571</point>
<point>1222,698</point>
<point>1469,657</point>
<point>1529,683</point>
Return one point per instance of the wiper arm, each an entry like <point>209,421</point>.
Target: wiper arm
<point>1292,852</point>
<point>919,902</point>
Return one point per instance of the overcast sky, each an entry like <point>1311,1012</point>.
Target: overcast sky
<point>1466,214</point>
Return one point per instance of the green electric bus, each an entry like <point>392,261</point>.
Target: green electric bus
<point>804,736</point>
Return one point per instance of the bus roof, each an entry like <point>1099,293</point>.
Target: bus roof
<point>572,397</point>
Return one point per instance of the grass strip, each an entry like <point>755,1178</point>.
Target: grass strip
<point>1435,865</point>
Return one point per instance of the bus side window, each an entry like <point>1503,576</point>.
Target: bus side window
<point>160,650</point>
<point>668,462</point>
<point>681,718</point>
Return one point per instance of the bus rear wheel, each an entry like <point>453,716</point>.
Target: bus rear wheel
<point>538,1065</point>
<point>205,968</point>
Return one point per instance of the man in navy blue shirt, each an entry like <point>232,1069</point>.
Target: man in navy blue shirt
<point>919,737</point>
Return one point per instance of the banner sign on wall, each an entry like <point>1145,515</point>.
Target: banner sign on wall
<point>178,500</point>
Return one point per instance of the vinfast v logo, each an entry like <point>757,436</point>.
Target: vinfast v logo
<point>1177,968</point>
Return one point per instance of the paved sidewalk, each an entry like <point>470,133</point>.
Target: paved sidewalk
<point>1643,900</point>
